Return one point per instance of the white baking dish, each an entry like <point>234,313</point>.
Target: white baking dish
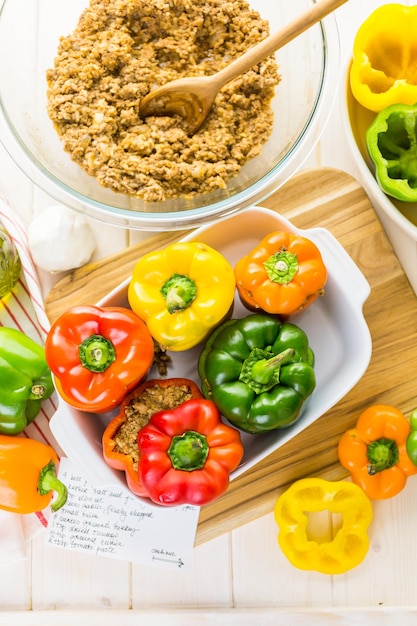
<point>334,323</point>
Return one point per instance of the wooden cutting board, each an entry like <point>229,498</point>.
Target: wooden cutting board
<point>332,199</point>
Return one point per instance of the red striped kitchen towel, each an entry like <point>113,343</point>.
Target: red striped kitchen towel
<point>24,309</point>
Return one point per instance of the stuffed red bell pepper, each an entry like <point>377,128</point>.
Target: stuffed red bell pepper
<point>120,437</point>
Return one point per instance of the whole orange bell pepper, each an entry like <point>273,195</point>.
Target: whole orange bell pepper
<point>282,275</point>
<point>27,476</point>
<point>374,452</point>
<point>97,355</point>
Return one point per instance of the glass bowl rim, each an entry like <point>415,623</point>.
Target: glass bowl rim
<point>190,218</point>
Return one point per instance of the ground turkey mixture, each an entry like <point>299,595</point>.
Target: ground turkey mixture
<point>121,50</point>
<point>140,410</point>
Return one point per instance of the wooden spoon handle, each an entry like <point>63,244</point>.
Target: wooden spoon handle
<point>274,42</point>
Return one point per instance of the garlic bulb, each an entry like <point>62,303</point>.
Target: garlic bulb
<point>60,239</point>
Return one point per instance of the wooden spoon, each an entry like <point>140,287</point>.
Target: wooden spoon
<point>193,97</point>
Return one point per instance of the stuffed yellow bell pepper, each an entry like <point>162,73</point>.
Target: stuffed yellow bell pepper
<point>309,495</point>
<point>181,293</point>
<point>384,66</point>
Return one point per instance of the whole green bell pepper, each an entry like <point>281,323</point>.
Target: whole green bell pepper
<point>392,145</point>
<point>259,371</point>
<point>26,380</point>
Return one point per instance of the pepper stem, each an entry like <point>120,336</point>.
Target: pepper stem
<point>38,391</point>
<point>48,481</point>
<point>261,369</point>
<point>188,451</point>
<point>382,454</point>
<point>281,267</point>
<point>96,353</point>
<point>179,292</point>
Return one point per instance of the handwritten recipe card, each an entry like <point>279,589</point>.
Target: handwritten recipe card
<point>109,521</point>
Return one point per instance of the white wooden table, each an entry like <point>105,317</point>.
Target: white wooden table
<point>241,577</point>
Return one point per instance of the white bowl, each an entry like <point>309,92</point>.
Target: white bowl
<point>399,219</point>
<point>29,34</point>
<point>334,323</point>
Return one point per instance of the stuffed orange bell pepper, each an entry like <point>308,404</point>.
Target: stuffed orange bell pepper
<point>120,437</point>
<point>375,454</point>
<point>383,70</point>
<point>97,355</point>
<point>182,292</point>
<point>282,275</point>
<point>27,476</point>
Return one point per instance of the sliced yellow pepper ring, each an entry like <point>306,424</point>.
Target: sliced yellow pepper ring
<point>310,495</point>
<point>384,66</point>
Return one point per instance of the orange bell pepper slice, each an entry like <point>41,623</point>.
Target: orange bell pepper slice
<point>374,452</point>
<point>282,275</point>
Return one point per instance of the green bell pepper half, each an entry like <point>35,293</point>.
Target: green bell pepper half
<point>259,371</point>
<point>391,140</point>
<point>26,380</point>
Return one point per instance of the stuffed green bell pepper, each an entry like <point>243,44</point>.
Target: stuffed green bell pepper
<point>259,372</point>
<point>25,380</point>
<point>392,145</point>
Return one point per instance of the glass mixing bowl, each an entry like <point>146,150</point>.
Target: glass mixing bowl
<point>29,35</point>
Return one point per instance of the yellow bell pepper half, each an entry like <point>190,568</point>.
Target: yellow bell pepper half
<point>182,292</point>
<point>384,65</point>
<point>350,543</point>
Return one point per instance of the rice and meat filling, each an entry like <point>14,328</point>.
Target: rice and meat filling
<point>122,49</point>
<point>140,410</point>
